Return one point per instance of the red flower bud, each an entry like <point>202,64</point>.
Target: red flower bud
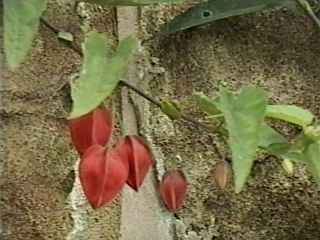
<point>139,158</point>
<point>92,128</point>
<point>173,189</point>
<point>102,175</point>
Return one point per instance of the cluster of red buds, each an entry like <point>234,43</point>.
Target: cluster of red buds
<point>104,171</point>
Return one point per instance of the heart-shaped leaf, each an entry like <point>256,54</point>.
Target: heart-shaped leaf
<point>102,175</point>
<point>244,115</point>
<point>139,158</point>
<point>100,74</point>
<point>173,189</point>
<point>92,128</point>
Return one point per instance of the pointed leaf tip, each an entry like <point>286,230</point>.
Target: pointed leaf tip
<point>244,115</point>
<point>92,128</point>
<point>102,175</point>
<point>173,189</point>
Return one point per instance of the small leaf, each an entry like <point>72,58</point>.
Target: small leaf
<point>139,159</point>
<point>278,149</point>
<point>294,151</point>
<point>131,2</point>
<point>171,109</point>
<point>92,128</point>
<point>21,22</point>
<point>173,189</point>
<point>313,159</point>
<point>99,75</point>
<point>102,175</point>
<point>65,36</point>
<point>290,113</point>
<point>312,132</point>
<point>244,115</point>
<point>288,166</point>
<point>222,174</point>
<point>209,106</point>
<point>269,136</point>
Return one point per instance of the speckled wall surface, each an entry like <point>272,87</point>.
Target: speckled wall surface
<point>35,183</point>
<point>278,51</point>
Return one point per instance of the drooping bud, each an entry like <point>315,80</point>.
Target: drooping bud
<point>102,175</point>
<point>139,159</point>
<point>173,189</point>
<point>222,174</point>
<point>92,128</point>
<point>288,166</point>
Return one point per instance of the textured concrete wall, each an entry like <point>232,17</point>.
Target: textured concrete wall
<point>38,196</point>
<point>278,51</point>
<point>37,167</point>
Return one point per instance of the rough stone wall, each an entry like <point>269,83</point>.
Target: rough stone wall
<point>278,51</point>
<point>37,167</point>
<point>38,196</point>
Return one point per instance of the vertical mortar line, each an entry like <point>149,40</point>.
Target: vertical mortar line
<point>76,199</point>
<point>2,143</point>
<point>141,214</point>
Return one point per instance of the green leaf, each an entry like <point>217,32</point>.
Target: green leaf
<point>312,132</point>
<point>212,10</point>
<point>171,109</point>
<point>269,136</point>
<point>21,22</point>
<point>209,106</point>
<point>292,151</point>
<point>244,116</point>
<point>313,159</point>
<point>132,2</point>
<point>67,36</point>
<point>290,113</point>
<point>99,74</point>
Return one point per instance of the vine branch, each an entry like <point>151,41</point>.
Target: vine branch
<point>56,31</point>
<point>124,83</point>
<point>138,91</point>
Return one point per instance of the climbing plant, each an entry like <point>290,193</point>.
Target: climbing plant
<point>239,119</point>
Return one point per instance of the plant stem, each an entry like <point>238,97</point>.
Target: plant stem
<point>141,93</point>
<point>306,6</point>
<point>158,104</point>
<point>49,26</point>
<point>56,31</point>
